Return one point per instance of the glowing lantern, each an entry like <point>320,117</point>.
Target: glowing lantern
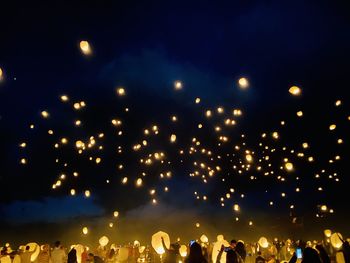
<point>172,138</point>
<point>217,247</point>
<point>300,113</point>
<point>332,127</point>
<point>1,74</point>
<point>178,85</point>
<point>243,83</point>
<point>115,213</point>
<point>120,91</point>
<point>103,241</point>
<point>35,249</point>
<point>80,249</point>
<point>139,182</point>
<point>72,191</point>
<point>45,114</point>
<point>64,98</point>
<point>336,240</point>
<point>85,47</point>
<point>327,233</point>
<point>198,225</point>
<point>236,207</point>
<point>263,242</point>
<point>204,239</point>
<point>85,230</point>
<point>157,242</point>
<point>294,90</point>
<point>324,208</point>
<point>198,100</point>
<point>249,158</point>
<point>87,193</point>
<point>136,243</point>
<point>110,225</point>
<point>183,251</point>
<point>289,166</point>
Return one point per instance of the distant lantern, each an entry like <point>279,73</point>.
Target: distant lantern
<point>327,233</point>
<point>236,207</point>
<point>85,230</point>
<point>121,91</point>
<point>1,74</point>
<point>332,127</point>
<point>64,98</point>
<point>183,251</point>
<point>173,138</point>
<point>204,239</point>
<point>294,90</point>
<point>115,213</point>
<point>45,114</point>
<point>289,166</point>
<point>87,193</point>
<point>336,240</point>
<point>263,242</point>
<point>85,47</point>
<point>243,83</point>
<point>139,182</point>
<point>249,158</point>
<point>72,192</point>
<point>178,85</point>
<point>103,241</point>
<point>198,225</point>
<point>157,243</point>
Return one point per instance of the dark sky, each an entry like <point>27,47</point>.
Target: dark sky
<point>145,46</point>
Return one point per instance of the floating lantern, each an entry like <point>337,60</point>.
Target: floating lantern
<point>85,47</point>
<point>336,240</point>
<point>103,241</point>
<point>157,242</point>
<point>327,233</point>
<point>263,242</point>
<point>183,251</point>
<point>294,90</point>
<point>204,239</point>
<point>243,83</point>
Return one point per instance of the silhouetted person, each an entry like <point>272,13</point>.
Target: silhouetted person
<point>240,249</point>
<point>195,255</point>
<point>170,254</point>
<point>259,258</point>
<point>310,255</point>
<point>58,255</point>
<point>323,254</point>
<point>26,255</point>
<point>72,256</point>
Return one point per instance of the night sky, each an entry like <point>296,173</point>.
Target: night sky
<point>145,47</point>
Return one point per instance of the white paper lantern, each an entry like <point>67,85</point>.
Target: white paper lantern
<point>183,251</point>
<point>327,233</point>
<point>263,242</point>
<point>204,239</point>
<point>157,242</point>
<point>336,240</point>
<point>35,248</point>
<point>103,241</point>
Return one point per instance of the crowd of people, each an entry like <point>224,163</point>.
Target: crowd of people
<point>196,252</point>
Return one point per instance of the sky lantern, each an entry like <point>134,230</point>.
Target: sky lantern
<point>87,193</point>
<point>121,91</point>
<point>263,242</point>
<point>157,242</point>
<point>295,91</point>
<point>243,83</point>
<point>327,233</point>
<point>217,246</point>
<point>85,47</point>
<point>178,85</point>
<point>204,239</point>
<point>289,166</point>
<point>103,241</point>
<point>173,138</point>
<point>249,158</point>
<point>45,114</point>
<point>236,207</point>
<point>1,74</point>
<point>336,240</point>
<point>115,214</point>
<point>85,230</point>
<point>332,127</point>
<point>35,249</point>
<point>183,251</point>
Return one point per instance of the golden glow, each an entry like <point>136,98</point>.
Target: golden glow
<point>332,127</point>
<point>85,47</point>
<point>139,182</point>
<point>115,214</point>
<point>197,100</point>
<point>87,193</point>
<point>1,74</point>
<point>85,230</point>
<point>173,138</point>
<point>289,166</point>
<point>45,114</point>
<point>120,91</point>
<point>300,113</point>
<point>243,83</point>
<point>178,85</point>
<point>294,90</point>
